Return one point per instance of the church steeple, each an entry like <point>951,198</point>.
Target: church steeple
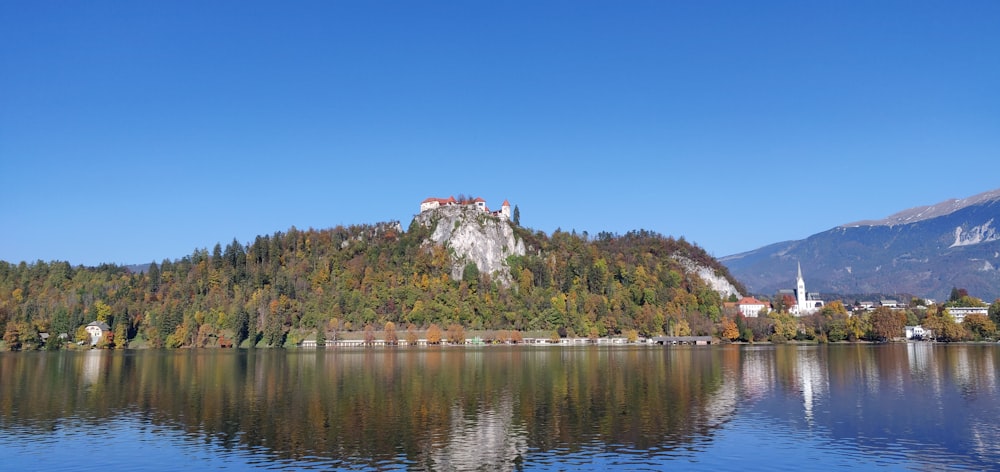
<point>800,291</point>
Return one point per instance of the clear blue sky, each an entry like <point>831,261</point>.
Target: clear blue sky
<point>138,131</point>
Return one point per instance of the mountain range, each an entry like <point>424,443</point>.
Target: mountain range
<point>923,251</point>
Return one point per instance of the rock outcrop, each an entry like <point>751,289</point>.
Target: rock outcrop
<point>473,236</point>
<point>719,283</point>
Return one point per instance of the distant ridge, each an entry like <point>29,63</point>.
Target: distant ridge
<point>921,213</point>
<point>924,251</point>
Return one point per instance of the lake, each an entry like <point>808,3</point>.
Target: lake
<point>913,406</point>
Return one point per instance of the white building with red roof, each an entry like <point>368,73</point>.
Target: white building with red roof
<point>750,307</point>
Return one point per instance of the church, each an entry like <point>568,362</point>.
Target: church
<point>805,303</point>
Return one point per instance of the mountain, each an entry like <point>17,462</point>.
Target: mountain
<point>924,251</point>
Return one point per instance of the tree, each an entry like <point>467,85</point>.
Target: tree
<point>994,311</point>
<point>433,334</point>
<point>887,323</point>
<point>369,334</point>
<point>785,325</point>
<point>456,334</point>
<point>120,336</point>
<point>980,326</point>
<point>517,216</point>
<point>728,329</point>
<point>20,335</point>
<point>943,327</point>
<point>390,333</point>
<point>470,275</point>
<point>54,343</point>
<point>321,335</point>
<point>102,311</point>
<point>411,334</point>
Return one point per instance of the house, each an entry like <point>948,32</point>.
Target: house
<point>97,330</point>
<point>431,203</point>
<point>750,307</point>
<point>893,304</point>
<point>917,332</point>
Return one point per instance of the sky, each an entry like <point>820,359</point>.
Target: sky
<point>133,132</point>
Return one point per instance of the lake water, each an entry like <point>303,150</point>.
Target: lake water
<point>913,406</point>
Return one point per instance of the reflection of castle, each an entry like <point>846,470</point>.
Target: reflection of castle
<point>803,303</point>
<point>432,203</point>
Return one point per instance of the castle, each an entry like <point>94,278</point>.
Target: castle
<point>432,203</point>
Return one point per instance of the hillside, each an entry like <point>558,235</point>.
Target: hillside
<point>924,251</point>
<point>284,286</point>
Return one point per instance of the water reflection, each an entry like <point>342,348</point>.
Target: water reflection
<point>517,407</point>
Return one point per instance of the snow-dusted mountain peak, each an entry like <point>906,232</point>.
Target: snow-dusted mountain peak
<point>921,213</point>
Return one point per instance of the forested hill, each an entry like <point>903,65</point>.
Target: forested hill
<point>291,284</point>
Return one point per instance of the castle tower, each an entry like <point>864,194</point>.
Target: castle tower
<point>505,210</point>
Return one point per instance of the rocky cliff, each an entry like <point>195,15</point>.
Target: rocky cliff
<point>718,282</point>
<point>473,236</point>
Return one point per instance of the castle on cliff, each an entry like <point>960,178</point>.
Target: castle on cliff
<point>432,203</point>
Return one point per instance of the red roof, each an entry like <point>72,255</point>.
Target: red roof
<point>750,301</point>
<point>443,201</point>
<point>505,203</point>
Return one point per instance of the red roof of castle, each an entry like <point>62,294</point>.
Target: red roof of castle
<point>439,200</point>
<point>505,203</point>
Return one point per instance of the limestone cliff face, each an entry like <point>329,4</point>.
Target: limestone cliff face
<point>717,282</point>
<point>473,236</point>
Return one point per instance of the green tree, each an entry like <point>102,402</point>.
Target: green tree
<point>994,312</point>
<point>517,216</point>
<point>321,336</point>
<point>785,325</point>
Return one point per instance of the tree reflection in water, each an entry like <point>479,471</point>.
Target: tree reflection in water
<point>498,407</point>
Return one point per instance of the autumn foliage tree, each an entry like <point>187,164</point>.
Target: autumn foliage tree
<point>434,334</point>
<point>887,323</point>
<point>729,330</point>
<point>456,334</point>
<point>390,333</point>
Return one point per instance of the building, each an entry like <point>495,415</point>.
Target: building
<point>805,303</point>
<point>750,307</point>
<point>893,304</point>
<point>97,330</point>
<point>960,312</point>
<point>432,202</point>
<point>917,332</point>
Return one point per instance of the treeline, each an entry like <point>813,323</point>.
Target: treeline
<point>282,287</point>
<point>833,323</point>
